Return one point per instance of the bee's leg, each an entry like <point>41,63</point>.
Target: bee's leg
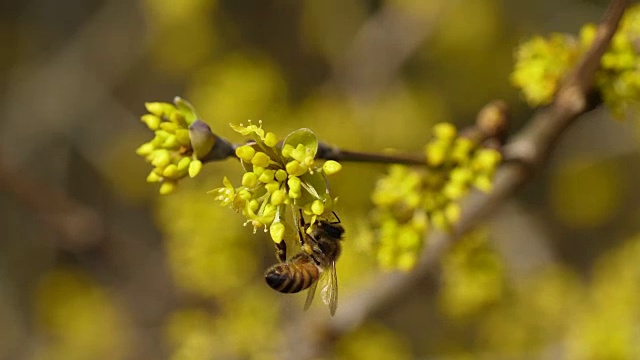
<point>281,251</point>
<point>337,218</point>
<point>301,229</point>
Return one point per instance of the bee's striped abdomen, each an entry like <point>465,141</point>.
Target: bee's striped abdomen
<point>293,276</point>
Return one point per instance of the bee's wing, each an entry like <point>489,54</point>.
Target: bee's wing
<point>310,294</point>
<point>330,289</point>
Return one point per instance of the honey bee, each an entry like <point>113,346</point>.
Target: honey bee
<point>320,243</point>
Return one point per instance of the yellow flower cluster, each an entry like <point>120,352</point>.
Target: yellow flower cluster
<point>619,77</point>
<point>472,277</point>
<point>408,200</point>
<point>180,142</point>
<point>540,65</point>
<point>542,62</point>
<point>277,176</point>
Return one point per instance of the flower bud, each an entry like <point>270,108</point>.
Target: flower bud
<point>331,167</point>
<point>152,121</point>
<point>194,168</point>
<point>184,163</point>
<point>261,159</point>
<point>278,197</point>
<point>317,207</point>
<point>281,175</point>
<point>249,179</point>
<point>245,153</point>
<point>276,230</point>
<point>167,187</point>
<point>270,139</point>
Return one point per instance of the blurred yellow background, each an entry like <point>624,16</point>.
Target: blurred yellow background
<point>95,265</point>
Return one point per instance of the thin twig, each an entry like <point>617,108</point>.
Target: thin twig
<point>329,152</point>
<point>529,150</point>
<point>77,227</point>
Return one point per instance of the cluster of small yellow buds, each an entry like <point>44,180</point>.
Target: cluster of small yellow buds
<point>619,77</point>
<point>541,63</point>
<point>276,177</point>
<point>472,276</point>
<point>400,216</point>
<point>409,200</point>
<point>180,144</point>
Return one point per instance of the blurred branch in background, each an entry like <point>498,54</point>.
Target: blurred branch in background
<point>526,153</point>
<point>393,34</point>
<point>76,80</point>
<point>76,227</point>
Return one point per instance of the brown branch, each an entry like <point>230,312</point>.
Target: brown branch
<point>527,152</point>
<point>77,227</point>
<point>329,152</point>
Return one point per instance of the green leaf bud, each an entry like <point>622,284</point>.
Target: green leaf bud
<point>249,179</point>
<point>167,187</point>
<point>260,159</point>
<point>267,176</point>
<point>145,149</point>
<point>182,135</point>
<point>278,197</point>
<point>152,121</point>
<point>444,131</point>
<point>281,175</point>
<point>270,139</point>
<point>331,167</point>
<point>194,168</point>
<point>276,230</point>
<point>184,163</point>
<point>317,207</point>
<point>245,152</point>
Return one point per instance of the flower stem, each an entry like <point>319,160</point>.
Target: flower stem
<point>329,152</point>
